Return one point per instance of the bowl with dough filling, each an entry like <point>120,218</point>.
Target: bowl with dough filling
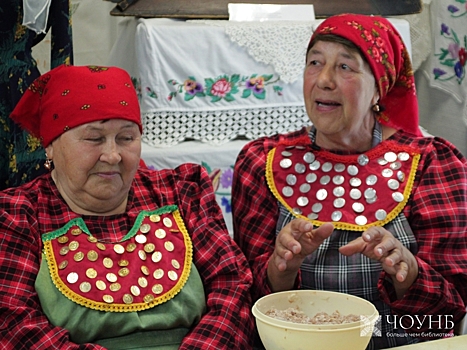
<point>312,319</point>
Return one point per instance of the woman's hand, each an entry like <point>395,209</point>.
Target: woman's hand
<point>379,244</point>
<point>293,243</point>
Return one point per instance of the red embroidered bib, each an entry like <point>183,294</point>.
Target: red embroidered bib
<point>148,267</point>
<point>353,192</point>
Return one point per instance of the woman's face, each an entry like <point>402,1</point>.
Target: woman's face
<point>339,90</point>
<point>94,165</point>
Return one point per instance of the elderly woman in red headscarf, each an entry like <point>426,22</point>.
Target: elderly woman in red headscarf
<point>103,254</point>
<point>360,202</point>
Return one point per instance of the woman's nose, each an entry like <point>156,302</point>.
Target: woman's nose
<point>110,153</point>
<point>326,78</point>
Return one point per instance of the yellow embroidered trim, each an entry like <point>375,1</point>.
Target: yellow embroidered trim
<point>118,307</point>
<point>344,225</point>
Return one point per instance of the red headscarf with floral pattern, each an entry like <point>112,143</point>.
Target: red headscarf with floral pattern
<point>69,96</point>
<point>390,63</point>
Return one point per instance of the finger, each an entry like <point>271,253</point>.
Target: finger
<point>356,246</point>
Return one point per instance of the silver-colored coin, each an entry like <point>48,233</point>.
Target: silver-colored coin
<point>355,193</point>
<point>393,184</point>
<point>321,194</point>
<point>336,215</point>
<point>387,172</point>
<point>311,177</point>
<point>300,168</point>
<point>305,188</point>
<point>352,170</point>
<point>285,163</point>
<point>302,201</point>
<point>287,191</point>
<point>315,165</point>
<point>309,157</point>
<point>286,153</point>
<point>403,156</point>
<point>339,167</point>
<point>390,157</point>
<point>312,216</point>
<point>381,214</point>
<point>317,207</point>
<point>371,180</point>
<point>395,165</point>
<point>382,161</point>
<point>361,220</point>
<point>338,180</point>
<point>355,182</point>
<point>72,277</point>
<point>327,167</point>
<point>400,176</point>
<point>338,191</point>
<point>325,180</point>
<point>339,203</point>
<point>363,159</point>
<point>370,193</point>
<point>358,207</point>
<point>297,211</point>
<point>398,197</point>
<point>291,179</point>
<point>371,200</point>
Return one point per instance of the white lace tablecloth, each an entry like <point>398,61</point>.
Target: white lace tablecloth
<point>215,80</point>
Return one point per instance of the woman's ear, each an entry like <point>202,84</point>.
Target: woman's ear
<point>49,151</point>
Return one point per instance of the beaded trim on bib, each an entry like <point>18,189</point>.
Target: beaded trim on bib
<point>149,266</point>
<point>353,192</point>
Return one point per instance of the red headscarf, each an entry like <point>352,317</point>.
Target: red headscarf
<point>69,96</point>
<point>390,63</point>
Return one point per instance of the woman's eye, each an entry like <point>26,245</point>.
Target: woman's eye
<point>345,66</point>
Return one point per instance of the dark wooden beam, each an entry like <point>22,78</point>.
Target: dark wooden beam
<point>218,9</point>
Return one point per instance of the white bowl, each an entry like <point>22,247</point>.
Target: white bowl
<point>278,334</point>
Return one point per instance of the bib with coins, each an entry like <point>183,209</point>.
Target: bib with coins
<point>353,192</point>
<point>149,266</point>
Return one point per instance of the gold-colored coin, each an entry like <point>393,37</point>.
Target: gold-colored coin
<point>135,290</point>
<point>111,277</point>
<point>141,239</point>
<point>155,218</point>
<point>143,282</point>
<point>158,274</point>
<point>64,250</point>
<point>142,254</point>
<point>145,270</point>
<point>72,277</point>
<point>149,298</point>
<point>63,265</point>
<point>79,256</point>
<point>167,222</point>
<point>101,246</point>
<point>73,245</point>
<point>160,233</point>
<point>127,298</point>
<point>131,247</point>
<point>169,246</point>
<point>108,262</point>
<point>123,262</point>
<point>101,285</point>
<point>156,256</point>
<point>174,230</point>
<point>119,249</point>
<point>124,271</point>
<point>91,273</point>
<point>175,264</point>
<point>115,287</point>
<point>145,228</point>
<point>85,287</point>
<point>108,299</point>
<point>92,239</point>
<point>76,231</point>
<point>172,275</point>
<point>92,255</point>
<point>149,248</point>
<point>157,289</point>
<point>62,239</point>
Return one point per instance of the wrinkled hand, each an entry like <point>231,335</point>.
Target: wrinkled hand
<point>379,244</point>
<point>297,240</point>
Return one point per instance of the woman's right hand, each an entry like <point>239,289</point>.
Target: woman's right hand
<point>293,243</point>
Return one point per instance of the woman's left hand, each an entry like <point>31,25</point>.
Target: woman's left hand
<point>379,244</point>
